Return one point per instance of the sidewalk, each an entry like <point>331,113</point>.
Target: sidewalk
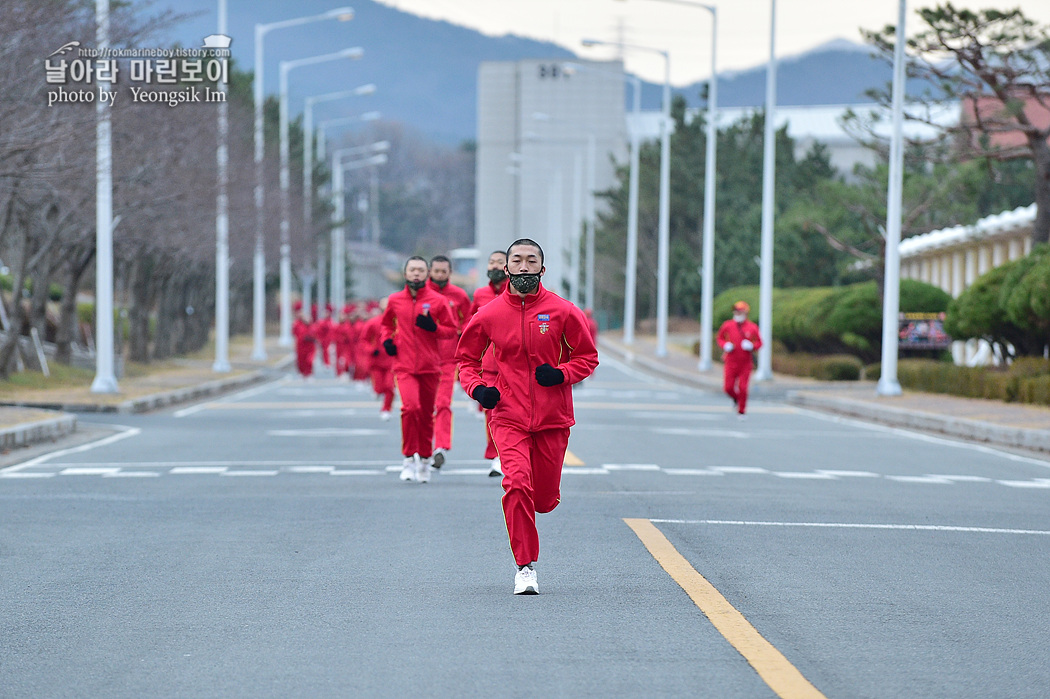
<point>1011,425</point>
<point>32,416</point>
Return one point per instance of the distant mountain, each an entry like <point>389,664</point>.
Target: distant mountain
<point>426,70</point>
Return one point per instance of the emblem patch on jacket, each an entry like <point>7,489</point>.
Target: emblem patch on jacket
<point>544,320</point>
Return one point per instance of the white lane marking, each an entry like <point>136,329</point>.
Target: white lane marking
<point>362,472</point>
<point>738,469</point>
<point>127,432</point>
<point>848,525</point>
<point>944,441</point>
<point>688,432</point>
<point>652,415</point>
<point>813,475</point>
<point>325,432</point>
<point>249,473</point>
<point>1024,484</point>
<point>310,469</point>
<point>692,472</point>
<point>132,474</point>
<point>88,471</point>
<point>848,474</point>
<point>576,470</point>
<point>267,464</point>
<point>963,479</point>
<point>631,467</point>
<point>194,470</point>
<point>920,479</point>
<point>30,474</point>
<point>254,390</point>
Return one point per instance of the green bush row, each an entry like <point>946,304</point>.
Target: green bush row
<point>1025,381</point>
<point>835,367</point>
<point>832,320</point>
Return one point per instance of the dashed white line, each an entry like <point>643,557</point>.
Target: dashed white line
<point>849,525</point>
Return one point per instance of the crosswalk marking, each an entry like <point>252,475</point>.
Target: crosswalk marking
<point>479,467</point>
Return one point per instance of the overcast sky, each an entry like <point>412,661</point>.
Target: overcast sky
<point>743,26</point>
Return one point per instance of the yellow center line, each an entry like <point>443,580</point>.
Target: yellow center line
<point>571,459</point>
<point>770,664</point>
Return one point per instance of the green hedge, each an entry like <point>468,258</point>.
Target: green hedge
<point>1023,382</point>
<point>835,367</point>
<point>1009,304</point>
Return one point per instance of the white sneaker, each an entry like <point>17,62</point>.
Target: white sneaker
<point>384,415</point>
<point>422,469</point>
<point>439,458</point>
<point>494,468</point>
<point>525,582</point>
<point>408,469</point>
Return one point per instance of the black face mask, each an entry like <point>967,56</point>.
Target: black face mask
<point>440,285</point>
<point>416,286</point>
<point>525,283</point>
<point>496,275</point>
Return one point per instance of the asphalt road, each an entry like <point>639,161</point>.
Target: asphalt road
<point>261,545</point>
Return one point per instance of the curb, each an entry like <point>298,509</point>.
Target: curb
<point>154,401</point>
<point>963,428</point>
<point>48,429</point>
<point>972,430</point>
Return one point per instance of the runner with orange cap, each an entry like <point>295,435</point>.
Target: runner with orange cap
<point>738,338</point>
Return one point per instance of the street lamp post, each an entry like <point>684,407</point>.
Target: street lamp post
<point>888,384</point>
<point>308,172</point>
<point>339,168</point>
<point>664,233</point>
<point>259,260</point>
<point>285,338</point>
<point>631,268</point>
<point>105,380</point>
<point>769,164</point>
<point>222,228</point>
<point>707,283</point>
<point>322,154</point>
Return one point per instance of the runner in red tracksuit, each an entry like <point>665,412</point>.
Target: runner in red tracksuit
<point>459,304</point>
<point>305,346</point>
<point>738,338</point>
<point>542,346</point>
<point>342,335</point>
<point>381,364</point>
<point>497,275</point>
<point>414,322</point>
<point>323,333</point>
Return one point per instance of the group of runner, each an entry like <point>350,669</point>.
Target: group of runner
<point>517,349</point>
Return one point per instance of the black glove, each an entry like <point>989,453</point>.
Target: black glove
<point>375,353</point>
<point>390,347</point>
<point>426,322</point>
<point>488,396</point>
<point>546,375</point>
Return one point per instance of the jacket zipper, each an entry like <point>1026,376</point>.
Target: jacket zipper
<point>525,352</point>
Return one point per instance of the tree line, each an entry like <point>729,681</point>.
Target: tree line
<point>828,227</point>
<point>164,193</point>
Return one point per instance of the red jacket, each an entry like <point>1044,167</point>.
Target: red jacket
<point>459,304</point>
<point>732,331</point>
<point>542,328</point>
<point>369,341</point>
<point>482,296</point>
<point>418,350</point>
<point>485,294</point>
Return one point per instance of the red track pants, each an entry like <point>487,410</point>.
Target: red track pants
<point>443,407</point>
<point>383,385</point>
<point>304,355</point>
<point>737,379</point>
<point>417,412</point>
<point>531,463</point>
